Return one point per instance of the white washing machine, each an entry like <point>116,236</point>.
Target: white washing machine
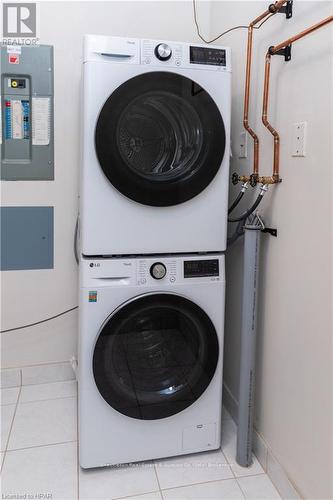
<point>155,147</point>
<point>150,357</point>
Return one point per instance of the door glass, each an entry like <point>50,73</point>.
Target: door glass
<point>160,135</point>
<point>160,138</point>
<point>155,356</point>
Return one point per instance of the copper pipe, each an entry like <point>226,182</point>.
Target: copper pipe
<point>247,99</point>
<point>300,35</point>
<point>272,10</point>
<point>266,122</point>
<point>273,50</point>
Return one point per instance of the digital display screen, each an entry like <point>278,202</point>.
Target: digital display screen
<point>207,55</point>
<point>201,268</point>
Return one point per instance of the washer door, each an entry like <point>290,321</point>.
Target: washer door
<point>155,356</point>
<point>160,139</point>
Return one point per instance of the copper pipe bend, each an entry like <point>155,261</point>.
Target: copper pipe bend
<point>273,9</point>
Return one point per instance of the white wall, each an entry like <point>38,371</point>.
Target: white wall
<point>294,376</point>
<point>294,372</point>
<point>28,296</point>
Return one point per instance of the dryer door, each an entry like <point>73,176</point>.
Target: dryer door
<point>160,139</point>
<point>155,356</point>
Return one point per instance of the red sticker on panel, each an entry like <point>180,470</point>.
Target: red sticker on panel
<point>13,59</point>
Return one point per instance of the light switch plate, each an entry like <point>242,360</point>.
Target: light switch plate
<point>299,139</point>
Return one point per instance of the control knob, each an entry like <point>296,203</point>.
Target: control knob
<point>158,270</point>
<point>163,52</point>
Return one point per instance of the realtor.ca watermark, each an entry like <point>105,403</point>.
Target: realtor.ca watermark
<point>20,23</point>
<point>27,496</point>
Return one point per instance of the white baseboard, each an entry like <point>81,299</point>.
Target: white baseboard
<point>263,452</point>
<point>37,374</point>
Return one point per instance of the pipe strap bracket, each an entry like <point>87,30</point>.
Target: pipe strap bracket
<point>270,230</point>
<point>287,9</point>
<point>285,52</point>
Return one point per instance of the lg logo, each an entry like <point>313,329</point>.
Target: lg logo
<point>19,20</point>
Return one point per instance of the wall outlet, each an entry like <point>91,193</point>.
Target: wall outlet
<point>243,145</point>
<point>299,139</point>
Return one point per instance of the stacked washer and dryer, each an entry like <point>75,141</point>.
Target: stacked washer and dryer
<point>153,223</point>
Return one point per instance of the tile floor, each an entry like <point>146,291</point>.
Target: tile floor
<point>39,457</point>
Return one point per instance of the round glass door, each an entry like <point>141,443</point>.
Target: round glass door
<point>155,356</point>
<point>160,139</point>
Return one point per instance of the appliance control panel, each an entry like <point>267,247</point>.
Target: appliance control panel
<point>152,271</point>
<point>164,53</point>
<point>179,270</point>
<point>207,55</point>
<point>185,55</point>
<point>201,268</point>
<point>156,271</point>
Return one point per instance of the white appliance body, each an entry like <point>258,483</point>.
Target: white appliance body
<point>111,222</point>
<point>107,435</point>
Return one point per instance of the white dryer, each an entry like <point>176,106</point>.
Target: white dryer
<point>150,357</point>
<point>155,146</point>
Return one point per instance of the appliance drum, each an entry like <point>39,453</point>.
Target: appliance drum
<point>160,139</point>
<point>155,356</point>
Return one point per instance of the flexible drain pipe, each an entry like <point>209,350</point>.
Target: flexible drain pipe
<point>252,235</point>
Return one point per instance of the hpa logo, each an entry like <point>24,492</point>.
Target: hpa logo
<point>19,23</point>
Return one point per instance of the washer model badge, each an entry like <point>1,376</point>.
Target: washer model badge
<point>93,296</point>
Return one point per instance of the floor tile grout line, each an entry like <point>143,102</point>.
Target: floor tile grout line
<point>256,475</point>
<point>30,402</point>
<point>202,482</point>
<point>135,495</point>
<point>39,383</point>
<point>240,487</point>
<point>12,423</point>
<point>66,361</point>
<point>47,399</point>
<point>252,475</point>
<point>234,463</point>
<point>50,382</point>
<point>236,479</point>
<point>41,446</point>
<point>158,481</point>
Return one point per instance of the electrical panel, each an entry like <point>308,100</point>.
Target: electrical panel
<point>26,238</point>
<point>26,125</point>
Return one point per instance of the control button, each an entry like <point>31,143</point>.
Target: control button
<point>158,270</point>
<point>147,60</point>
<point>172,279</point>
<point>143,281</point>
<point>178,62</point>
<point>163,52</point>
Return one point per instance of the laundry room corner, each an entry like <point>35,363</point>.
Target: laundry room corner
<point>31,296</point>
<point>294,367</point>
<point>166,249</point>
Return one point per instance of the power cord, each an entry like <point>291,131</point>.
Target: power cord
<point>76,234</point>
<point>224,32</point>
<point>39,322</point>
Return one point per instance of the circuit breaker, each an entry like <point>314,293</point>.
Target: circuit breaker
<point>27,136</point>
